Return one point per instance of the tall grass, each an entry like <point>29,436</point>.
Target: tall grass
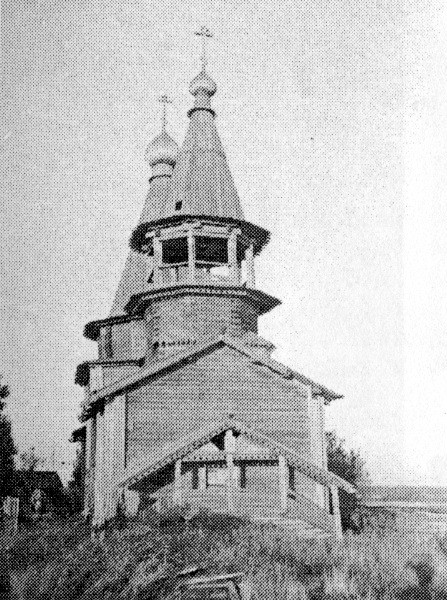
<point>60,561</point>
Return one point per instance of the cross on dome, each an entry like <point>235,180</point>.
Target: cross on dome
<point>203,83</point>
<point>205,34</point>
<point>164,101</point>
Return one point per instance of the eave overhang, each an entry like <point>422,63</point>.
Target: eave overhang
<point>92,329</point>
<point>259,235</point>
<point>82,376</point>
<point>139,302</point>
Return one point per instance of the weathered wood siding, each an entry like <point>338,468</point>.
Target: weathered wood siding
<point>90,456</point>
<point>109,458</point>
<point>209,389</point>
<point>123,340</point>
<point>114,373</point>
<point>317,442</point>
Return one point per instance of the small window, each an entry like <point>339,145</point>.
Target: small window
<point>175,251</point>
<point>211,249</point>
<point>178,205</point>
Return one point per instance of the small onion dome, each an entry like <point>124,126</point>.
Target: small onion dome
<point>162,149</point>
<point>202,83</point>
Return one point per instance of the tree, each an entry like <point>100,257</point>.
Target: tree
<point>349,465</point>
<point>29,460</point>
<point>77,482</point>
<point>7,447</point>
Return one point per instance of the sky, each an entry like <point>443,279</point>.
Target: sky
<point>333,115</point>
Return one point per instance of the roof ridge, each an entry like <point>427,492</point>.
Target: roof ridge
<point>178,357</point>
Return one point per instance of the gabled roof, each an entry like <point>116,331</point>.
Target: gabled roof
<point>194,352</point>
<point>172,451</point>
<point>45,480</point>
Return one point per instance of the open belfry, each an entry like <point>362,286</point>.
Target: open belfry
<point>184,404</point>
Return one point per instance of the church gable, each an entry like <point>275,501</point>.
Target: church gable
<point>221,382</point>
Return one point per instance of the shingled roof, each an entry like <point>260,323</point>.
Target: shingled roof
<point>202,183</point>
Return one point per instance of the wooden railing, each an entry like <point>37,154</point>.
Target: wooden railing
<point>251,505</point>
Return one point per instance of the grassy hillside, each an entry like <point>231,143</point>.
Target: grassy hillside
<point>59,561</point>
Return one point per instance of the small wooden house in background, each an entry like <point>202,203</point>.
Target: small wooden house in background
<point>185,403</point>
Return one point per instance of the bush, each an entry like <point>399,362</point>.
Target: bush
<point>349,465</point>
<point>60,561</point>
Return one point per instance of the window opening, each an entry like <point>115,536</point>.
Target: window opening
<point>243,476</point>
<point>211,250</point>
<point>195,478</point>
<point>291,478</point>
<point>178,205</point>
<point>175,251</point>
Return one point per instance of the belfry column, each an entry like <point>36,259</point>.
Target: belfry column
<point>191,255</point>
<point>157,260</point>
<point>250,264</point>
<point>232,256</point>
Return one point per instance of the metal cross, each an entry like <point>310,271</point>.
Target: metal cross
<point>164,100</point>
<point>204,33</point>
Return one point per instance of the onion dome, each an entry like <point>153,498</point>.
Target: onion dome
<point>162,149</point>
<point>202,83</point>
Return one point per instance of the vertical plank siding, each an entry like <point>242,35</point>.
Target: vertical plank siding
<point>109,459</point>
<point>214,386</point>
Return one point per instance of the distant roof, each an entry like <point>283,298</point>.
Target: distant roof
<point>78,435</point>
<point>384,494</point>
<point>45,480</point>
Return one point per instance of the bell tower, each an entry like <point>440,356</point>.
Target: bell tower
<point>194,249</point>
<point>199,248</point>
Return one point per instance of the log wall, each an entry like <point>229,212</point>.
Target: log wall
<point>195,318</point>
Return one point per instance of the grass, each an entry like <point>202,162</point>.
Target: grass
<point>60,561</point>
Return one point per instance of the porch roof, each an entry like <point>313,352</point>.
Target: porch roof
<point>172,451</point>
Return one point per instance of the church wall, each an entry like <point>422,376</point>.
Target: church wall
<point>90,454</point>
<point>114,373</point>
<point>122,341</point>
<point>109,458</point>
<point>206,391</point>
<point>317,441</point>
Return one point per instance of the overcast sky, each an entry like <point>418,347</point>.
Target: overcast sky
<point>333,116</point>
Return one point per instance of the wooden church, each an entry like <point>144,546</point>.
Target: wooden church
<point>184,404</point>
